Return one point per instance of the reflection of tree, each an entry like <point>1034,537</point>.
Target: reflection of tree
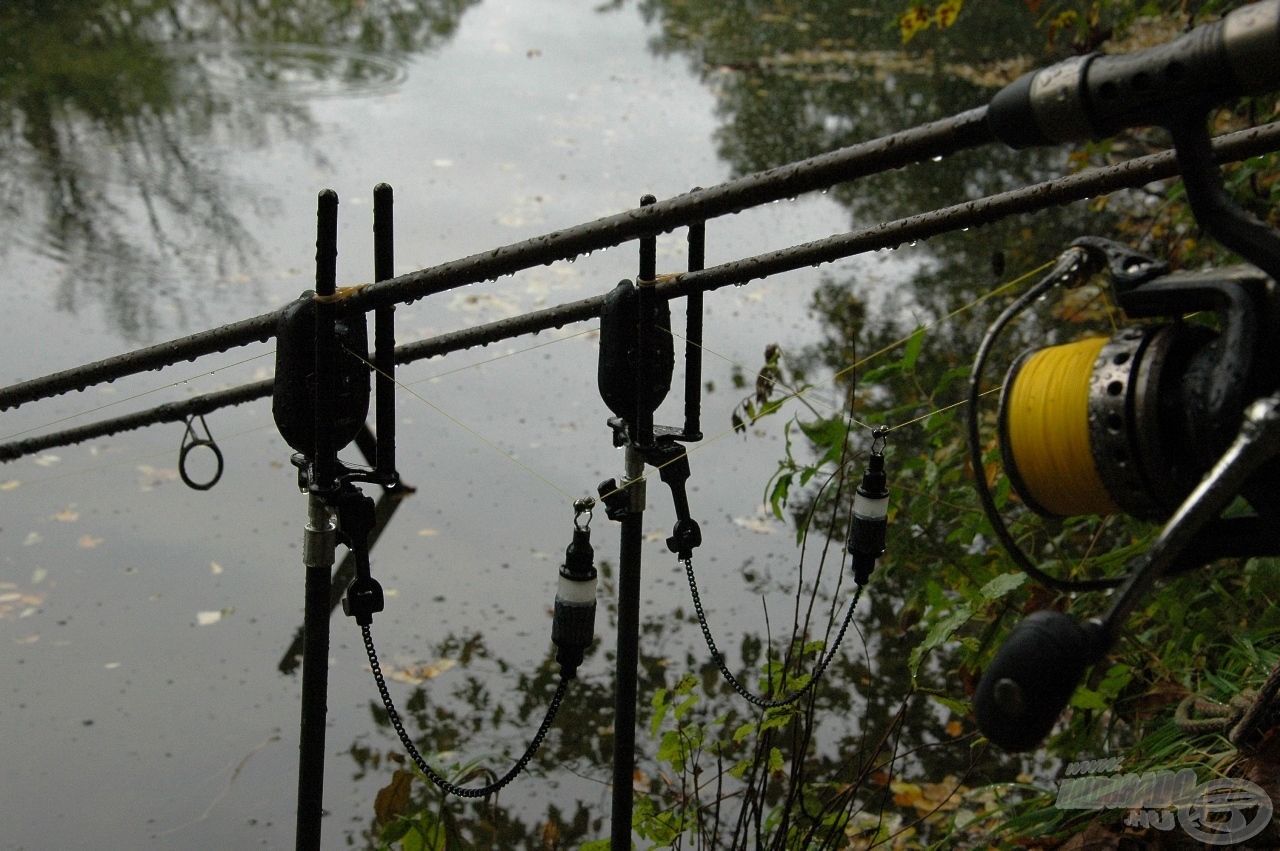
<point>800,78</point>
<point>458,720</point>
<point>110,110</point>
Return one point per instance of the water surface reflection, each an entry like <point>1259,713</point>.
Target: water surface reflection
<point>119,119</point>
<point>149,154</point>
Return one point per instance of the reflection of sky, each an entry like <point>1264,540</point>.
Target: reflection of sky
<point>124,711</point>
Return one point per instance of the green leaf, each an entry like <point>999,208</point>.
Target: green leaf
<point>395,830</point>
<point>684,707</point>
<point>911,351</point>
<point>881,372</point>
<point>1085,698</point>
<point>939,633</point>
<point>778,495</point>
<point>780,719</point>
<point>828,436</point>
<point>958,707</point>
<point>1000,586</point>
<point>671,750</point>
<point>660,706</point>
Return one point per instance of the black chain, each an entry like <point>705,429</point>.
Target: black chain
<point>762,702</point>
<point>433,775</point>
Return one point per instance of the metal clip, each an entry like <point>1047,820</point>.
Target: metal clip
<point>583,507</point>
<point>879,438</point>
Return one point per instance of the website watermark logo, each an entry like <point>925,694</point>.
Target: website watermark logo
<point>1222,811</point>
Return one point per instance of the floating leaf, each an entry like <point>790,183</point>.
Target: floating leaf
<point>763,523</point>
<point>10,485</point>
<point>906,794</point>
<point>67,515</point>
<point>46,460</point>
<point>208,618</point>
<point>418,674</point>
<point>215,568</point>
<point>151,477</point>
<point>88,542</point>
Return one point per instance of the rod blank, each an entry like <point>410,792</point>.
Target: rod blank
<point>1137,172</point>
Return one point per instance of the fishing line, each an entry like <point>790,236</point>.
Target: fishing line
<point>464,427</point>
<point>503,356</point>
<point>866,531</point>
<point>796,394</point>
<point>792,394</point>
<point>131,398</point>
<point>125,462</point>
<point>837,375</point>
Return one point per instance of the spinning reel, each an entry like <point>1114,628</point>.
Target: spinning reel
<point>1155,421</point>
<point>1166,420</point>
<point>1131,422</point>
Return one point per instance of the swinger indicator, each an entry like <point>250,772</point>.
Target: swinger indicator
<point>869,524</point>
<point>573,625</point>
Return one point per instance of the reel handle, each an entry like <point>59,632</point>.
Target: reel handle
<point>1033,676</point>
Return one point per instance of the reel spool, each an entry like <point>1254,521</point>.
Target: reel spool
<point>1130,423</point>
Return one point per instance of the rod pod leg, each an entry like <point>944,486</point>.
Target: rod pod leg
<point>627,660</point>
<point>317,555</point>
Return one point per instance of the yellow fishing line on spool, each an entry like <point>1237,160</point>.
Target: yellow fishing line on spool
<point>1044,424</point>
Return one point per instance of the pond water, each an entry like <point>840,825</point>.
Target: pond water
<point>163,180</point>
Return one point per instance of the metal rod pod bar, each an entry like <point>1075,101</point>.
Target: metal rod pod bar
<point>938,138</point>
<point>1137,172</point>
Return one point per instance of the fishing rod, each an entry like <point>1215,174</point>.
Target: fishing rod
<point>1229,147</point>
<point>919,144</point>
<point>1164,420</point>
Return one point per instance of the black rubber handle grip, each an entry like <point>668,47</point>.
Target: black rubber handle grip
<point>1095,96</point>
<point>1032,678</point>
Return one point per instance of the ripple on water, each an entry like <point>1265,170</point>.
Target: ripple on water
<point>292,71</point>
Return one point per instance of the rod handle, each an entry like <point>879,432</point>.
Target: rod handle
<point>1095,96</point>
